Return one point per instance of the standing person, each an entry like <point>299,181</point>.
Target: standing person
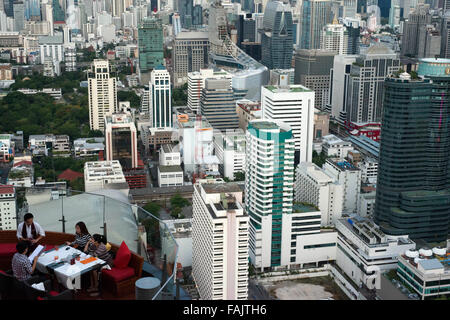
<point>21,266</point>
<point>97,248</point>
<point>30,231</point>
<point>82,236</point>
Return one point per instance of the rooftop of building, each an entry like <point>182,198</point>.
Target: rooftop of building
<point>304,207</point>
<point>332,139</point>
<point>170,169</point>
<point>194,35</point>
<point>6,189</point>
<point>289,88</point>
<point>168,148</point>
<point>343,165</point>
<point>221,187</point>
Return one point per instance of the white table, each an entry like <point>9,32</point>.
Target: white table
<point>66,274</point>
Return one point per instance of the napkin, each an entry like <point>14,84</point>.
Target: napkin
<point>38,286</point>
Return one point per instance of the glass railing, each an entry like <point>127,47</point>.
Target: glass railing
<point>108,212</point>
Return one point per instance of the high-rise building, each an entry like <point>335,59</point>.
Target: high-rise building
<point>315,14</point>
<point>445,36</point>
<point>269,162</point>
<point>176,22</point>
<point>8,213</point>
<point>190,53</point>
<point>414,29</point>
<point>293,105</point>
<point>102,94</point>
<point>335,38</point>
<point>160,98</point>
<point>19,15</point>
<point>218,104</point>
<point>277,36</point>
<point>413,187</point>
<point>229,148</point>
<point>121,140</point>
<point>151,52</point>
<point>394,14</point>
<point>185,8</point>
<point>340,77</point>
<point>312,70</point>
<point>196,83</point>
<point>220,242</point>
<point>197,15</point>
<point>365,88</point>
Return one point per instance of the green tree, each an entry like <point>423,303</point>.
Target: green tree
<point>153,208</point>
<point>131,96</point>
<point>239,176</point>
<point>178,201</point>
<point>319,159</point>
<point>175,212</point>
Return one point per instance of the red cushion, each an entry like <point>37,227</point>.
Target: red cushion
<point>40,298</point>
<point>117,275</point>
<point>123,256</point>
<point>3,272</point>
<point>7,249</point>
<point>53,293</point>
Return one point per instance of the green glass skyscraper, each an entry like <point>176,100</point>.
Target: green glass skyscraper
<point>413,188</point>
<point>151,51</point>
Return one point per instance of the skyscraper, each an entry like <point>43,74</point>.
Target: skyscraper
<point>365,89</point>
<point>19,15</point>
<point>293,105</point>
<point>185,8</point>
<point>445,36</point>
<point>151,52</point>
<point>414,29</point>
<point>102,94</point>
<point>219,242</point>
<point>315,14</point>
<point>190,53</point>
<point>413,187</point>
<point>277,36</point>
<point>218,105</point>
<point>160,98</point>
<point>312,70</point>
<point>335,38</point>
<point>269,182</point>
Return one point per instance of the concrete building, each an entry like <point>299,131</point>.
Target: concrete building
<point>312,70</point>
<point>170,172</point>
<point>335,38</point>
<point>229,148</point>
<point>366,203</point>
<point>196,83</point>
<point>43,144</point>
<point>121,140</point>
<point>87,147</point>
<point>151,52</point>
<point>8,208</point>
<point>5,71</point>
<point>294,105</point>
<point>315,14</point>
<point>220,242</point>
<point>366,84</point>
<point>321,124</point>
<point>51,47</point>
<point>190,54</point>
<point>364,251</point>
<point>313,185</point>
<point>340,77</point>
<point>369,170</point>
<point>181,230</point>
<point>335,147</point>
<point>160,98</point>
<point>21,174</point>
<point>102,89</point>
<point>6,148</point>
<point>102,174</point>
<point>426,271</point>
<point>349,177</point>
<point>247,110</point>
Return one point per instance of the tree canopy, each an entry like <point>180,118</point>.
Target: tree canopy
<point>39,114</point>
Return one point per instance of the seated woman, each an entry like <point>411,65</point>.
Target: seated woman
<point>82,236</point>
<point>96,247</point>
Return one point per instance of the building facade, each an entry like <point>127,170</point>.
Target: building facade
<point>160,98</point>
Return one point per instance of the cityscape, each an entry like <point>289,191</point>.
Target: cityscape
<point>252,150</point>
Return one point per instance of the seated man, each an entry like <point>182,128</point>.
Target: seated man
<point>30,231</point>
<point>21,266</point>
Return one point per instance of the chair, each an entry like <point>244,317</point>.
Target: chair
<point>6,283</point>
<point>32,293</point>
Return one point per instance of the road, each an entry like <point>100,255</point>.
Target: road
<point>389,291</point>
<point>257,291</point>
